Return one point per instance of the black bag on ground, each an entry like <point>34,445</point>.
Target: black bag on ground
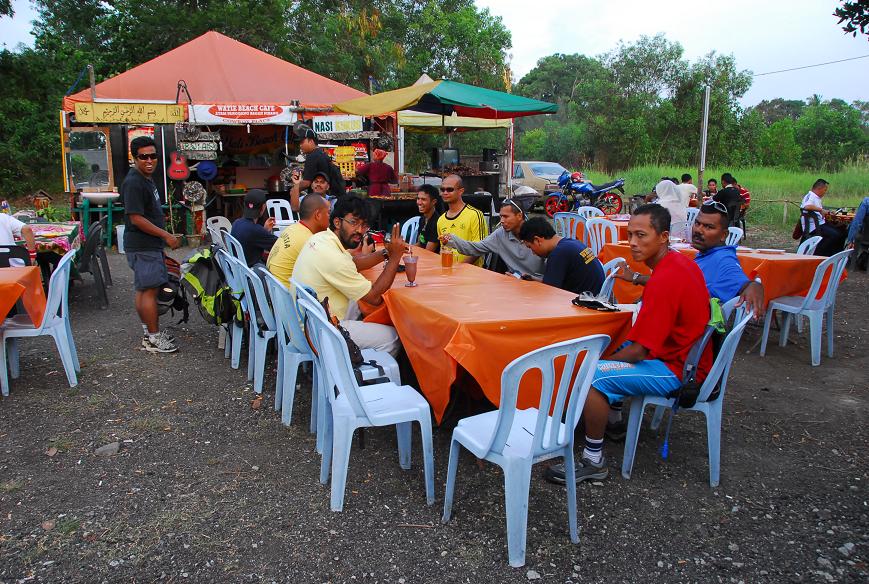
<point>172,296</point>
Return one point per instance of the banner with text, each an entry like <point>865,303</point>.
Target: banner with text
<point>239,114</point>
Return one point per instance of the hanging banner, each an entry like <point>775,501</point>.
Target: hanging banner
<point>128,113</point>
<point>230,114</point>
<point>237,140</point>
<point>333,124</point>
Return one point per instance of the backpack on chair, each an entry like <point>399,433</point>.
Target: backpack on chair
<point>208,286</point>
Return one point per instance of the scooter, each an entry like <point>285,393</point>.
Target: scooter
<point>576,193</point>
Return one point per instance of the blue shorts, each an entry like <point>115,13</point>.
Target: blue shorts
<point>617,380</point>
<point>149,269</point>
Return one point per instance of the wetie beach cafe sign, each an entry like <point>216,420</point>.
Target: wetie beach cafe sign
<point>230,114</point>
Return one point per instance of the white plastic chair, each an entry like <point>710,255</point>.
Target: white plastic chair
<point>809,246</point>
<point>410,230</point>
<point>717,377</point>
<point>810,306</point>
<point>55,322</point>
<point>282,211</point>
<point>261,323</point>
<point>734,235</point>
<point>517,439</point>
<point>382,358</point>
<point>351,406</point>
<point>599,232</point>
<point>589,212</point>
<point>293,350</point>
<point>691,214</point>
<point>217,226</point>
<point>236,329</point>
<point>609,269</point>
<point>566,224</point>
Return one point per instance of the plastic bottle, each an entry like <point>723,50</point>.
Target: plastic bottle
<point>4,207</point>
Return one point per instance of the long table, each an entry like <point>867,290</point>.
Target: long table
<point>782,274</point>
<point>22,283</point>
<point>480,320</point>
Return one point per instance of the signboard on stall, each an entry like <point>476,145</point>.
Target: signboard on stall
<point>240,114</point>
<point>128,113</point>
<point>333,124</point>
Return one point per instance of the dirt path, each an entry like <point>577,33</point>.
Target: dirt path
<point>206,489</point>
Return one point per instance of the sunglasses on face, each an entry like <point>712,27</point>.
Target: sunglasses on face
<point>716,205</point>
<point>147,156</point>
<point>448,189</point>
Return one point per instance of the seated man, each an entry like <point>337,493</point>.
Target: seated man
<point>253,237</point>
<point>722,272</point>
<point>730,197</point>
<point>326,265</point>
<point>858,235</point>
<point>461,219</point>
<point>505,242</point>
<point>430,208</point>
<point>570,265</point>
<point>672,318</point>
<point>313,218</point>
<point>832,238</point>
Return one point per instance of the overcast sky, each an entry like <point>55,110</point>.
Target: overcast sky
<point>763,35</point>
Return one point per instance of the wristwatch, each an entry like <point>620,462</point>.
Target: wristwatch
<point>384,253</point>
<point>635,279</point>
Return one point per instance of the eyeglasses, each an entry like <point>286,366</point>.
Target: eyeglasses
<point>718,206</point>
<point>356,223</point>
<point>147,156</point>
<point>448,189</point>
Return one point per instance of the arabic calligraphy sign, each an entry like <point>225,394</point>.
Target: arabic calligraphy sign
<point>129,113</point>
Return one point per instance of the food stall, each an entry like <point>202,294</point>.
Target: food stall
<point>221,114</point>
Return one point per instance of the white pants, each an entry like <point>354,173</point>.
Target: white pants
<point>369,335</point>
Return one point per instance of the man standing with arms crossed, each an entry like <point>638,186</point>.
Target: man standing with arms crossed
<point>144,238</point>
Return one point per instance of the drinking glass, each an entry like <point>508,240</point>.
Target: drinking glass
<point>410,269</point>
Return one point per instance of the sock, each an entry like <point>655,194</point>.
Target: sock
<point>145,330</point>
<point>153,337</point>
<point>615,414</point>
<point>593,450</point>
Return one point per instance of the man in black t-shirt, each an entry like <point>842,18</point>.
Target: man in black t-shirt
<point>144,238</point>
<point>729,196</point>
<point>570,264</point>
<point>429,204</point>
<point>316,161</point>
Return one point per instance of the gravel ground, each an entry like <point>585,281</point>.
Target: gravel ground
<point>205,488</point>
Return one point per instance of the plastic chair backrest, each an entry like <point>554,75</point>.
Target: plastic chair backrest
<point>57,303</point>
<point>589,212</point>
<point>809,246</point>
<point>734,235</point>
<point>609,269</point>
<point>410,230</point>
<point>835,265</point>
<point>304,291</point>
<point>721,365</point>
<point>334,358</point>
<point>258,302</point>
<point>10,252</point>
<point>286,312</point>
<point>691,214</point>
<point>233,246</point>
<point>599,232</point>
<point>566,224</point>
<point>233,276</point>
<point>216,235</point>
<point>558,403</point>
<point>810,221</point>
<point>280,210</point>
<point>219,222</point>
<point>88,253</point>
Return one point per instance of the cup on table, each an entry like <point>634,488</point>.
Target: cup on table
<point>446,257</point>
<point>410,269</point>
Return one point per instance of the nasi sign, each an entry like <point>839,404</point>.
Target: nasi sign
<point>129,113</point>
<point>332,124</point>
<point>241,114</point>
<point>198,146</point>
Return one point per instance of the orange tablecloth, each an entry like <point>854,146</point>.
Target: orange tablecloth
<point>786,274</point>
<point>24,283</point>
<point>622,226</point>
<point>481,320</point>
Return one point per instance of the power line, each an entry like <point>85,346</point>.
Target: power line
<point>810,66</point>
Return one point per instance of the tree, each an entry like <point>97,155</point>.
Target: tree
<point>778,145</point>
<point>829,136</point>
<point>855,15</point>
<point>776,109</point>
<point>6,8</point>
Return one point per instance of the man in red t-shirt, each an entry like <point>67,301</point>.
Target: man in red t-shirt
<point>672,318</point>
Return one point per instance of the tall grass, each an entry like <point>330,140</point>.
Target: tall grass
<point>768,186</point>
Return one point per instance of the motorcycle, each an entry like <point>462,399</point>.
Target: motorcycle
<point>576,193</point>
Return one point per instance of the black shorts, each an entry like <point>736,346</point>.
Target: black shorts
<point>149,269</point>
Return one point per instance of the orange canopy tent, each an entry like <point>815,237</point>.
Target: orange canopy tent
<point>218,69</point>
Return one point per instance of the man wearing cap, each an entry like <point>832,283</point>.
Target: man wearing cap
<point>254,238</point>
<point>316,161</point>
<point>378,173</point>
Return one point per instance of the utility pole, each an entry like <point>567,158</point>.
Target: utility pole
<point>704,131</point>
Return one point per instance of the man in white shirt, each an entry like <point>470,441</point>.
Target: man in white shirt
<point>10,227</point>
<point>687,189</point>
<point>833,239</point>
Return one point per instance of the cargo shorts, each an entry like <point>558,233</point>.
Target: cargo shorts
<point>149,269</point>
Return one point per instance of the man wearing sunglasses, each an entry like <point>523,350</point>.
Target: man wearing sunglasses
<point>461,219</point>
<point>145,236</point>
<point>505,242</point>
<point>326,265</point>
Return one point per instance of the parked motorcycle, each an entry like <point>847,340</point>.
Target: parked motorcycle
<point>576,193</point>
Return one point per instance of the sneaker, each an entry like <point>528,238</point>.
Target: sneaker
<point>617,431</point>
<point>585,470</point>
<point>165,333</point>
<point>160,344</point>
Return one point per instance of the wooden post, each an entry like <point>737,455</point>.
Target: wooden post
<point>785,213</point>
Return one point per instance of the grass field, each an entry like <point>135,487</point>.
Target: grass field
<point>768,186</point>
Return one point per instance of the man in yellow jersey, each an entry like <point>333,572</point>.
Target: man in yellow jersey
<point>313,218</point>
<point>461,219</point>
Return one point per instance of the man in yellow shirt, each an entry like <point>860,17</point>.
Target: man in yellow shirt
<point>313,218</point>
<point>461,219</point>
<point>326,265</point>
